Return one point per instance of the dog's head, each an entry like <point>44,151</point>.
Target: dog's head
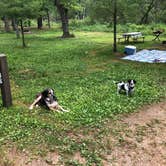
<point>48,92</point>
<point>131,83</point>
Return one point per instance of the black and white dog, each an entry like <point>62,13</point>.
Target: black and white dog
<point>128,87</point>
<point>48,100</point>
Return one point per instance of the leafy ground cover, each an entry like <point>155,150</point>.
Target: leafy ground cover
<point>82,71</point>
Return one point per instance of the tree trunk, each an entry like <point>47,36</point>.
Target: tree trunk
<point>6,22</point>
<point>84,13</point>
<point>48,19</point>
<point>15,27</point>
<point>14,24</point>
<point>22,33</point>
<point>17,33</point>
<point>115,22</point>
<point>39,23</point>
<point>144,19</point>
<point>63,11</point>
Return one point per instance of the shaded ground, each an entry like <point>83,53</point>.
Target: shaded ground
<point>140,142</point>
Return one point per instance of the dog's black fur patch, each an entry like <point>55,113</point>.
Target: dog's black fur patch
<point>44,95</point>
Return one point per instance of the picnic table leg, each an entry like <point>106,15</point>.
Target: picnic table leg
<point>126,39</point>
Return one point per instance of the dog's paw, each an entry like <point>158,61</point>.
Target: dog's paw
<point>65,110</point>
<point>31,107</point>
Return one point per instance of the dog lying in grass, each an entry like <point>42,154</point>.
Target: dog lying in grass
<point>48,100</point>
<point>128,87</point>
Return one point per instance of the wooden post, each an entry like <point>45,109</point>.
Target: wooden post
<point>4,82</point>
<point>115,24</point>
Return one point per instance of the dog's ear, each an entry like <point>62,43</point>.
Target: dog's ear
<point>45,93</point>
<point>52,91</point>
<point>129,81</point>
<point>134,81</point>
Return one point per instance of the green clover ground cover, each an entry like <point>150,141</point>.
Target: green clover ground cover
<point>82,71</point>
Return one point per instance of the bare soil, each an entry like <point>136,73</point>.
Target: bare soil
<point>142,141</point>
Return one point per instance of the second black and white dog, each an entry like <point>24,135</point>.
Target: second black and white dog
<point>48,100</point>
<point>128,87</point>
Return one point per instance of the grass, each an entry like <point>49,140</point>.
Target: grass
<point>89,25</point>
<point>82,71</point>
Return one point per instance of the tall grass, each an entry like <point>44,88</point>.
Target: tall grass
<point>89,25</point>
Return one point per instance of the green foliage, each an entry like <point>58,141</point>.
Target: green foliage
<point>127,10</point>
<point>20,8</point>
<point>145,29</point>
<point>89,25</point>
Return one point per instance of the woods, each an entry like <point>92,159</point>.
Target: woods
<point>129,11</point>
<point>96,11</point>
<point>101,11</point>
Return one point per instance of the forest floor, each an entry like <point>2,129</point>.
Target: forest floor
<point>141,142</point>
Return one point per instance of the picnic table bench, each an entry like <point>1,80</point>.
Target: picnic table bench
<point>133,35</point>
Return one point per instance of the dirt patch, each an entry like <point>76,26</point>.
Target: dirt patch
<point>79,158</point>
<point>147,114</point>
<point>12,157</point>
<point>142,141</point>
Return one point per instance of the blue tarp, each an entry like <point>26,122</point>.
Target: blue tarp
<point>150,56</point>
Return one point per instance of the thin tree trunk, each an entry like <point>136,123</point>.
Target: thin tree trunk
<point>144,19</point>
<point>17,32</point>
<point>40,22</point>
<point>63,11</point>
<point>6,22</point>
<point>14,24</point>
<point>115,22</point>
<point>15,27</point>
<point>22,33</point>
<point>84,13</point>
<point>48,19</point>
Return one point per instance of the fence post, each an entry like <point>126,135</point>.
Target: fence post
<point>4,82</point>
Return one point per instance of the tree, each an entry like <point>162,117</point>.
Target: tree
<point>21,10</point>
<point>101,10</point>
<point>63,11</point>
<point>39,22</point>
<point>44,11</point>
<point>63,7</point>
<point>144,19</point>
<point>4,17</point>
<point>82,9</point>
<point>6,23</point>
<point>48,8</point>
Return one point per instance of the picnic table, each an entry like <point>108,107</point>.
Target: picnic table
<point>133,35</point>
